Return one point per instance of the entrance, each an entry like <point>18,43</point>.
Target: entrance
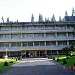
<point>27,54</point>
<point>41,53</point>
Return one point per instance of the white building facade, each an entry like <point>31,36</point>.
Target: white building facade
<point>35,39</point>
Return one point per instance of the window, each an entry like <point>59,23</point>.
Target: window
<point>61,35</point>
<point>13,44</point>
<point>24,35</point>
<point>1,44</point>
<point>24,28</point>
<point>38,35</point>
<point>50,35</point>
<point>42,43</point>
<point>72,42</point>
<point>70,27</point>
<point>48,43</point>
<point>24,44</point>
<point>30,35</point>
<point>49,27</point>
<point>36,43</point>
<point>53,43</point>
<point>60,27</point>
<point>16,36</point>
<point>18,44</point>
<point>62,42</point>
<point>39,27</point>
<point>30,28</point>
<point>30,43</point>
<point>70,34</point>
<point>6,44</point>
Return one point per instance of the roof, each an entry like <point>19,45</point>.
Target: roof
<point>69,18</point>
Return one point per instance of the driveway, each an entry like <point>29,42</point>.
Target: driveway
<point>37,66</point>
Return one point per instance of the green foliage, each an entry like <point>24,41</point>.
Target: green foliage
<point>69,50</point>
<point>58,59</point>
<point>53,58</point>
<point>64,61</point>
<point>5,63</point>
<point>70,60</point>
<point>2,61</point>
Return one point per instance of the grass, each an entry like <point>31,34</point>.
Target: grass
<point>70,60</point>
<point>2,67</point>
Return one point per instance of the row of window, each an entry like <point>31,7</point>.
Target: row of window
<point>36,35</point>
<point>36,43</point>
<point>37,27</point>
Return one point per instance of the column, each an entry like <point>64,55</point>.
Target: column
<point>35,54</point>
<point>67,34</point>
<point>39,53</point>
<point>67,43</point>
<point>56,35</point>
<point>57,52</point>
<point>56,43</point>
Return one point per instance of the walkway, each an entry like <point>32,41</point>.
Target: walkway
<point>36,66</point>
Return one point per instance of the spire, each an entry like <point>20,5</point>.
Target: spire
<point>73,12</point>
<point>53,18</point>
<point>40,18</point>
<point>2,19</point>
<point>60,18</point>
<point>32,18</point>
<point>66,13</point>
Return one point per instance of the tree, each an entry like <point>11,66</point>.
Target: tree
<point>7,19</point>
<point>40,18</point>
<point>2,19</point>
<point>32,18</point>
<point>53,18</point>
<point>66,51</point>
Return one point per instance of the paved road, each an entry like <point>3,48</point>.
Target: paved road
<point>37,66</point>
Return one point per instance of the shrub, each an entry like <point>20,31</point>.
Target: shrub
<point>64,61</point>
<point>11,62</point>
<point>5,63</point>
<point>67,57</point>
<point>74,64</point>
<point>58,59</point>
<point>53,58</point>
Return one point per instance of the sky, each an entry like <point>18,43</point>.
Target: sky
<point>23,9</point>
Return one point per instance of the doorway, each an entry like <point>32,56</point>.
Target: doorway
<point>27,54</point>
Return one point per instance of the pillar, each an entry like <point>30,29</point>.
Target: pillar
<point>35,54</point>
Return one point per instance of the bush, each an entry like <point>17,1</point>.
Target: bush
<point>58,59</point>
<point>11,62</point>
<point>5,63</point>
<point>67,57</point>
<point>74,64</point>
<point>53,58</point>
<point>64,61</point>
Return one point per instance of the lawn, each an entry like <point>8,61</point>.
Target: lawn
<point>70,60</point>
<point>2,67</point>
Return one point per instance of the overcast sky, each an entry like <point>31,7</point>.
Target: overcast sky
<point>23,9</point>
